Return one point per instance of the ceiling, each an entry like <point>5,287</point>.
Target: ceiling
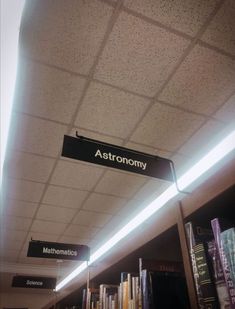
<point>154,76</point>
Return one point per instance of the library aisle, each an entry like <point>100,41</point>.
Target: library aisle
<point>118,186</point>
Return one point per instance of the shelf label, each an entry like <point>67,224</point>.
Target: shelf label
<point>33,282</point>
<point>59,251</point>
<point>89,150</point>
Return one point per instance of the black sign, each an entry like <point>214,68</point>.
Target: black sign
<point>59,251</point>
<point>116,157</point>
<point>33,282</point>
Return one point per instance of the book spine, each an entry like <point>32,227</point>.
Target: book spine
<point>84,293</point>
<point>134,291</point>
<point>224,262</point>
<point>218,276</point>
<point>191,243</point>
<point>228,242</point>
<point>120,296</point>
<point>207,286</point>
<point>145,289</point>
<point>101,296</point>
<point>125,295</point>
<point>140,284</point>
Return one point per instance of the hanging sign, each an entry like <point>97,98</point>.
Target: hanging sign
<point>59,251</point>
<point>33,282</point>
<point>93,151</point>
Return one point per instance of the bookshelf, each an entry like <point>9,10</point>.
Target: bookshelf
<point>213,198</point>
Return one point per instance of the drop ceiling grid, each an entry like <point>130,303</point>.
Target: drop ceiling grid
<point>115,14</point>
<point>90,78</point>
<point>71,125</point>
<point>65,232</point>
<point>226,113</point>
<point>181,60</point>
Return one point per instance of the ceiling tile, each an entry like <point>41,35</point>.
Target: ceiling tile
<point>66,266</point>
<point>15,223</point>
<point>9,255</point>
<point>110,111</point>
<point>151,189</point>
<point>25,190</point>
<point>120,184</point>
<point>203,140</point>
<point>227,111</point>
<point>183,15</point>
<point>13,235</point>
<point>129,57</point>
<point>65,33</point>
<point>148,149</point>
<point>80,231</point>
<point>104,203</point>
<point>57,214</point>
<point>11,244</point>
<point>20,208</point>
<point>166,127</point>
<point>40,236</point>
<point>74,240</point>
<point>140,147</point>
<point>64,197</point>
<point>91,218</point>
<point>30,167</point>
<point>23,258</point>
<point>9,259</point>
<point>97,136</point>
<point>55,94</point>
<point>49,227</point>
<point>163,153</point>
<point>221,31</point>
<point>76,175</point>
<point>202,82</point>
<point>31,134</point>
<point>182,163</point>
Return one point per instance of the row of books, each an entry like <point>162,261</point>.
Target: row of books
<point>162,285</point>
<point>212,252</point>
<point>159,284</point>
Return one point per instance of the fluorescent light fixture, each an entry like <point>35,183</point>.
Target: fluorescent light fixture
<point>214,156</point>
<point>11,12</point>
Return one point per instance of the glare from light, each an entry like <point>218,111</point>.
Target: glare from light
<point>71,276</point>
<point>214,156</point>
<point>135,222</point>
<point>11,12</point>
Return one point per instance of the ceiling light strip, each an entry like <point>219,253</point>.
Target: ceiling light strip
<point>11,12</point>
<point>214,156</point>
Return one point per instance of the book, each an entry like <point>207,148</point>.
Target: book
<point>218,276</point>
<point>84,298</point>
<point>129,291</point>
<point>92,298</point>
<point>218,225</point>
<point>146,290</point>
<point>161,288</point>
<point>205,277</point>
<point>192,235</point>
<point>164,290</point>
<point>108,296</point>
<point>228,242</point>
